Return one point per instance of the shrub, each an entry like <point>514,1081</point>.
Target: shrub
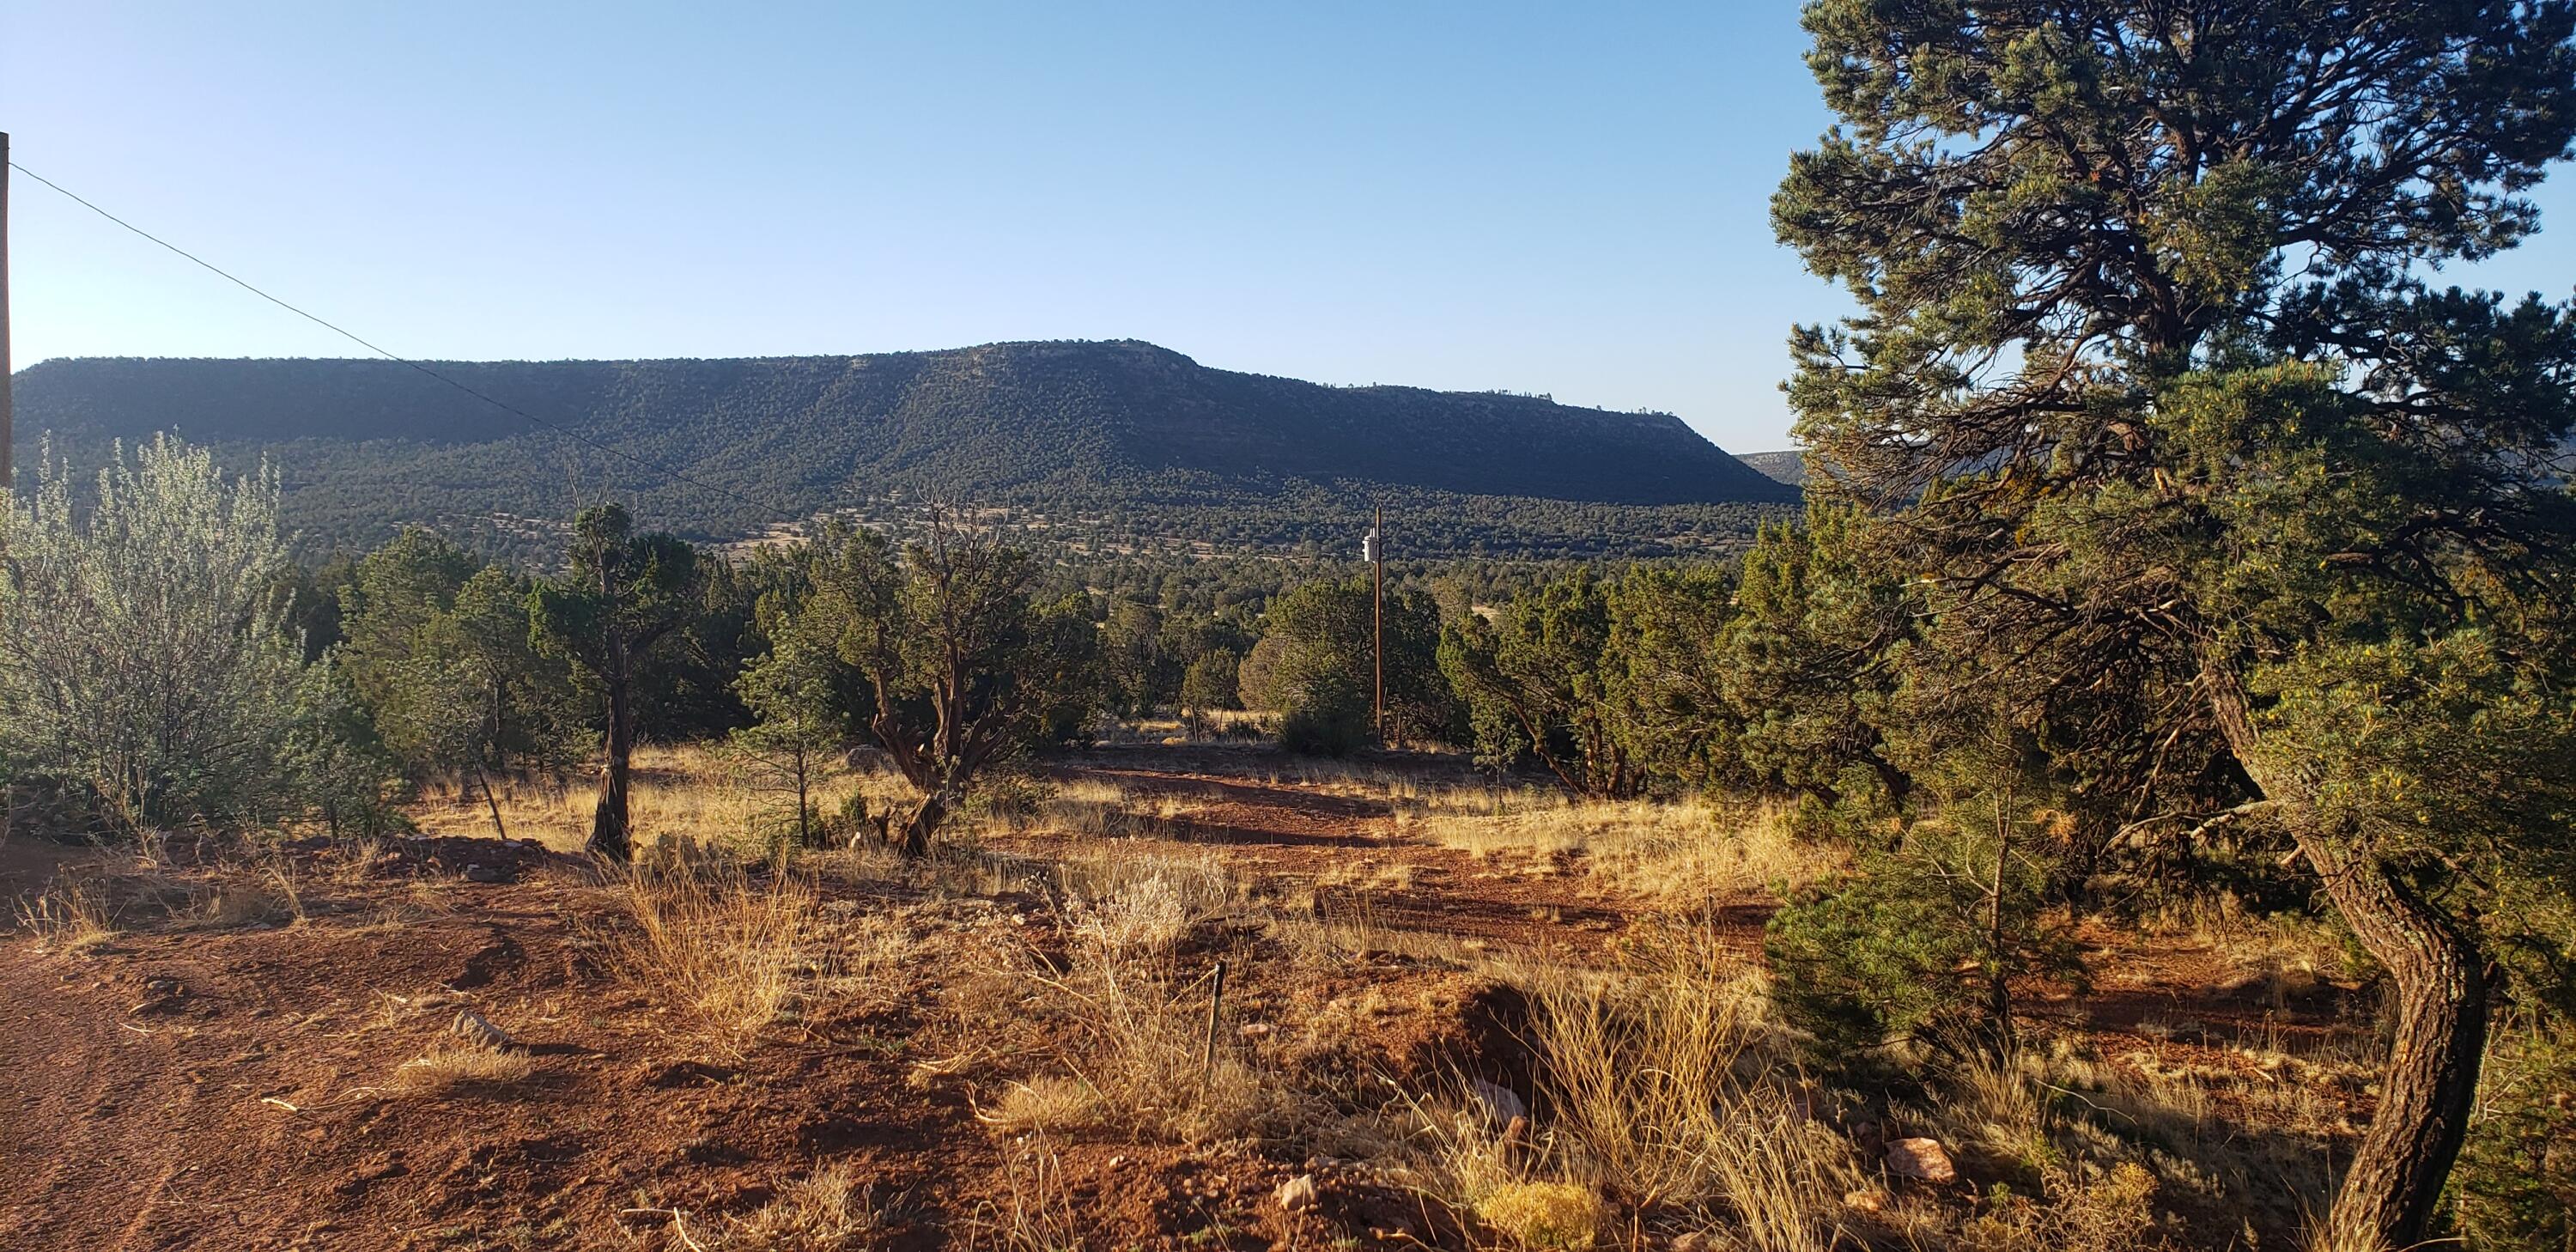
<point>1925,940</point>
<point>2516,1180</point>
<point>148,666</point>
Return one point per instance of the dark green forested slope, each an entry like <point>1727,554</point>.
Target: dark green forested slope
<point>1114,438</point>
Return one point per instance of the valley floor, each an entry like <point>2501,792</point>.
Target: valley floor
<point>453,1042</point>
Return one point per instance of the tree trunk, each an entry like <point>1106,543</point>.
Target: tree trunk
<point>485,781</point>
<point>609,834</point>
<point>924,822</point>
<point>2428,1084</point>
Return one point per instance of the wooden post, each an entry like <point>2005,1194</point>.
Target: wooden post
<point>1216,1002</point>
<point>8,430</point>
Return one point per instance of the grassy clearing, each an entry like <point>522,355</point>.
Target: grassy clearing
<point>1676,853</point>
<point>685,791</point>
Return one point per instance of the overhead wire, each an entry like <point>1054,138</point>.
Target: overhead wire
<point>776,511</point>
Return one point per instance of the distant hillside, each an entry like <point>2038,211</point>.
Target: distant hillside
<point>1786,467</point>
<point>1118,442</point>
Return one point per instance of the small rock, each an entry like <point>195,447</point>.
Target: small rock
<point>1691,1241</point>
<point>1298,1194</point>
<point>1866,1201</point>
<point>1923,1160</point>
<point>1254,1030</point>
<point>476,1027</point>
<point>482,873</point>
<point>1500,1104</point>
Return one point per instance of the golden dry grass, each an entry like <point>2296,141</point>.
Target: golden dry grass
<point>677,791</point>
<point>1676,853</point>
<point>825,1211</point>
<point>69,917</point>
<point>728,950</point>
<point>462,1069</point>
<point>1121,1031</point>
<point>1667,1081</point>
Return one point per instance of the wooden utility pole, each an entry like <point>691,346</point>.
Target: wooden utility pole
<point>1377,609</point>
<point>8,429</point>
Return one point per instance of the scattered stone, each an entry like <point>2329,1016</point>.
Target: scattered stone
<point>483,873</point>
<point>1298,1194</point>
<point>1500,1104</point>
<point>1255,1030</point>
<point>160,995</point>
<point>1692,1241</point>
<point>1865,1201</point>
<point>1923,1160</point>
<point>475,1026</point>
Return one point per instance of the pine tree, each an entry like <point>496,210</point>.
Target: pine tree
<point>2149,380</point>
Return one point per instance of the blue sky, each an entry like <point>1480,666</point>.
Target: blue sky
<point>1562,198</point>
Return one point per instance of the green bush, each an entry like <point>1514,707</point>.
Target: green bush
<point>1914,946</point>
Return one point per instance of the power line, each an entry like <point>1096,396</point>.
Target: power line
<point>776,511</point>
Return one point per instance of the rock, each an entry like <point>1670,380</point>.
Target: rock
<point>1254,1030</point>
<point>1691,1241</point>
<point>1923,1160</point>
<point>1298,1194</point>
<point>1865,1201</point>
<point>476,1027</point>
<point>1500,1104</point>
<point>683,1073</point>
<point>483,873</point>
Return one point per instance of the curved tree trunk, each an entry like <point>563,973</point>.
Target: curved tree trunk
<point>2428,1084</point>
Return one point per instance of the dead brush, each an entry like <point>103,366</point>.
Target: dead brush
<point>72,916</point>
<point>730,950</point>
<point>1659,1080</point>
<point>1028,1208</point>
<point>247,898</point>
<point>1127,1042</point>
<point>453,1069</point>
<point>825,1211</point>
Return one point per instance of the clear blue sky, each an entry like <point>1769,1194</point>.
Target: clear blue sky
<point>1543,197</point>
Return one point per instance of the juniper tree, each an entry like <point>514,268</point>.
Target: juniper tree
<point>624,592</point>
<point>963,666</point>
<point>1536,682</point>
<point>2151,382</point>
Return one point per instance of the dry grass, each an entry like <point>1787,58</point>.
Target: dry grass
<point>1664,1079</point>
<point>453,1070</point>
<point>1122,1031</point>
<point>1672,852</point>
<point>731,951</point>
<point>263,898</point>
<point>685,790</point>
<point>825,1211</point>
<point>70,917</point>
<point>1029,1209</point>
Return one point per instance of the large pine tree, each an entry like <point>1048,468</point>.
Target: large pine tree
<point>2150,378</point>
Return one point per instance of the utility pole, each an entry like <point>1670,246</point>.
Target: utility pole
<point>1375,551</point>
<point>8,430</point>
